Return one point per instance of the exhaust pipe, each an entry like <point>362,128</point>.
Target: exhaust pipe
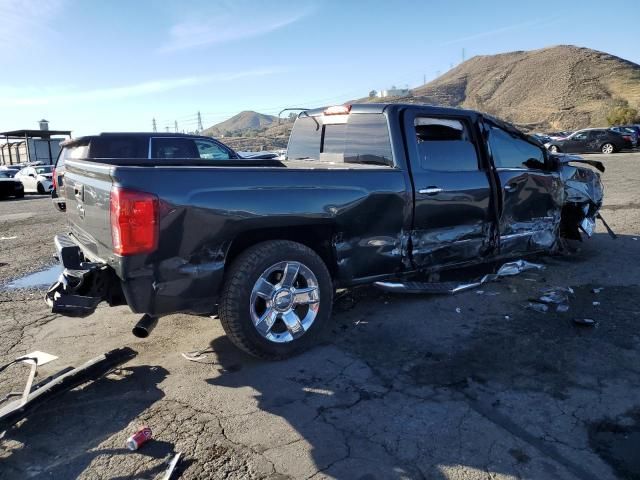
<point>145,326</point>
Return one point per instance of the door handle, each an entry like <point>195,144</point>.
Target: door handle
<point>430,190</point>
<point>509,188</point>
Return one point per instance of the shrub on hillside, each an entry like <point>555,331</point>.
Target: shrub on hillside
<point>622,115</point>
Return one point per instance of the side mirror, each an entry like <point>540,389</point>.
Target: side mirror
<point>33,175</point>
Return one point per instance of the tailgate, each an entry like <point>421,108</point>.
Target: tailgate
<point>87,188</point>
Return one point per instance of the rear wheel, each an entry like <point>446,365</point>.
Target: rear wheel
<point>607,148</point>
<point>41,189</point>
<point>554,149</point>
<point>276,300</point>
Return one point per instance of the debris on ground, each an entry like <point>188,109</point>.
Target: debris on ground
<point>8,238</point>
<point>64,380</point>
<point>198,356</point>
<point>172,466</point>
<point>142,436</point>
<point>584,321</point>
<point>458,310</point>
<point>538,307</point>
<point>556,295</point>
<point>439,288</point>
<point>595,304</point>
<point>596,290</point>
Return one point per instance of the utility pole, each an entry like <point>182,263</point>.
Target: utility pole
<point>167,129</point>
<point>424,78</point>
<point>175,125</point>
<point>463,55</point>
<point>155,127</point>
<point>200,122</point>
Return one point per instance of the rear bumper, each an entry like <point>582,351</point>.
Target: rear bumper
<point>82,285</point>
<point>169,286</point>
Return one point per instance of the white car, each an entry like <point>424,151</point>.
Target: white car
<point>37,178</point>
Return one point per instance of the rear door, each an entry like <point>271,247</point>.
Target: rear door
<point>452,217</point>
<point>531,193</point>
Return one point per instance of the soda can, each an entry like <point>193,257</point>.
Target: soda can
<point>135,441</point>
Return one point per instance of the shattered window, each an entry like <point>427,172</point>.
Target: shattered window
<point>510,151</point>
<point>445,145</point>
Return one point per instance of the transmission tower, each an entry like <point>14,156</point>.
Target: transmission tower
<point>200,122</point>
<point>155,127</point>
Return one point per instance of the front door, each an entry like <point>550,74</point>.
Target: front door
<point>576,143</point>
<point>532,194</point>
<point>452,217</point>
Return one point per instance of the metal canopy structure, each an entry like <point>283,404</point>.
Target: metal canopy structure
<point>22,134</point>
<point>15,139</point>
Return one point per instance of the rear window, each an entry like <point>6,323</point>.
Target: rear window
<point>119,147</point>
<point>362,138</point>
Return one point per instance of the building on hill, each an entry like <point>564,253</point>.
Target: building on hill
<point>394,92</point>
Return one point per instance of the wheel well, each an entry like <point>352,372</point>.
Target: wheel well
<point>316,237</point>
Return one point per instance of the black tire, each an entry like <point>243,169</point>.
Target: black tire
<point>608,148</point>
<point>554,149</point>
<point>235,301</point>
<point>41,189</point>
<point>19,195</point>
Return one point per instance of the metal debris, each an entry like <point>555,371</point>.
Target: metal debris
<point>556,295</point>
<point>172,466</point>
<point>62,381</point>
<point>435,288</point>
<point>199,356</point>
<point>596,290</point>
<point>538,307</point>
<point>584,321</point>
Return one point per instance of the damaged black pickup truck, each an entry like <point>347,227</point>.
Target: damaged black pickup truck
<point>366,193</point>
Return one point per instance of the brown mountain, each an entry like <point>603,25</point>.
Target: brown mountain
<point>562,87</point>
<point>240,123</point>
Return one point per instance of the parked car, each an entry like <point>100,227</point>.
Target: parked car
<point>367,192</point>
<point>631,133</point>
<point>116,145</point>
<point>559,135</point>
<point>36,179</point>
<point>590,140</point>
<point>9,186</point>
<point>542,138</point>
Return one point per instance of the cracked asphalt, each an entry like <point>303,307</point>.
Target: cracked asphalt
<point>403,387</point>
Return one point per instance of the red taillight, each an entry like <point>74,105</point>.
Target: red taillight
<point>134,221</point>
<point>55,182</point>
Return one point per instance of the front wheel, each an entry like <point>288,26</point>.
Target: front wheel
<point>41,189</point>
<point>607,148</point>
<point>276,299</point>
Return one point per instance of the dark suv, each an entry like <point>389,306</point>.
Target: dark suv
<point>591,140</point>
<point>140,146</point>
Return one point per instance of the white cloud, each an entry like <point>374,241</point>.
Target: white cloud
<point>12,97</point>
<point>24,23</point>
<point>227,21</point>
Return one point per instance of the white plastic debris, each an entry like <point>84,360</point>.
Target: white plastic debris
<point>596,290</point>
<point>458,310</point>
<point>595,304</point>
<point>563,307</point>
<point>538,307</point>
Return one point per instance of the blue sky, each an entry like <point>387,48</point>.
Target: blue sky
<point>91,66</point>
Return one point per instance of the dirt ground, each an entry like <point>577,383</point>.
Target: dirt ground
<point>458,387</point>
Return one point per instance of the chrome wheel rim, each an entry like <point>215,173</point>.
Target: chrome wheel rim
<point>284,301</point>
<point>608,148</point>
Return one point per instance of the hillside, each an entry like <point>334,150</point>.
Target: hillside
<point>562,87</point>
<point>240,123</point>
<point>556,88</point>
